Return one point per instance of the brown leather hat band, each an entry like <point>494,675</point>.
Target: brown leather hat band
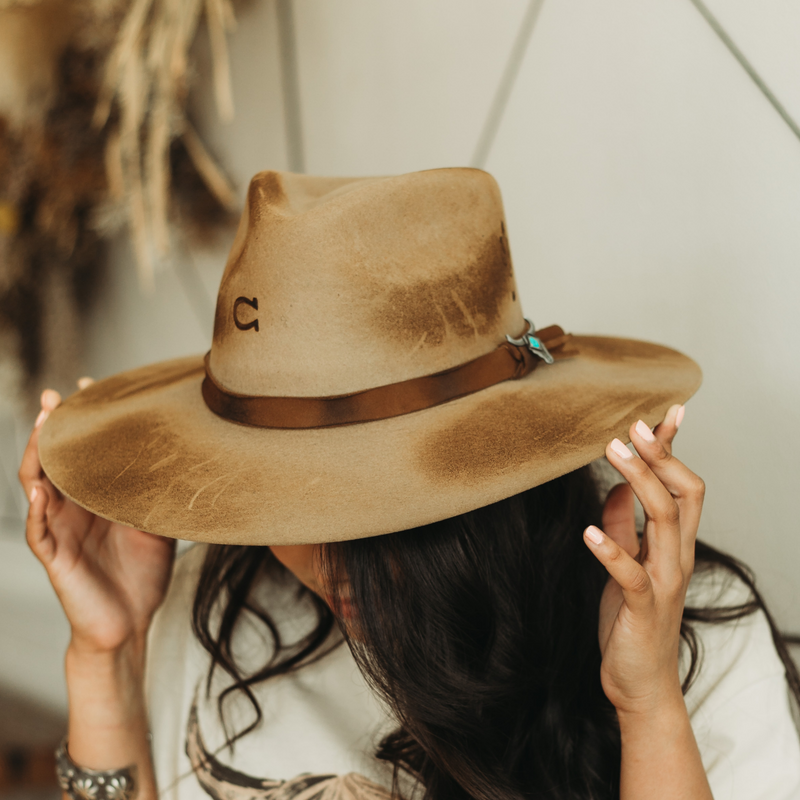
<point>507,362</point>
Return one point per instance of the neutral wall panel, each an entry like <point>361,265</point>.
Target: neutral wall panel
<point>393,87</point>
<point>653,192</point>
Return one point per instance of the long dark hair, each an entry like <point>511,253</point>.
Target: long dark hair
<point>482,638</point>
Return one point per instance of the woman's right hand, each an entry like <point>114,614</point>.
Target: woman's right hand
<point>109,578</point>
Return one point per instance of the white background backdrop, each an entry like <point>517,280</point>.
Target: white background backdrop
<point>650,189</point>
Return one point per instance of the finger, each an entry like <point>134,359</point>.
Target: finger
<point>619,518</point>
<point>39,538</point>
<point>665,431</point>
<point>664,539</point>
<point>50,399</point>
<point>30,468</point>
<point>632,577</point>
<point>685,486</point>
<point>55,500</point>
<point>85,382</point>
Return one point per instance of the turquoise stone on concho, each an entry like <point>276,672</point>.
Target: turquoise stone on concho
<point>534,344</point>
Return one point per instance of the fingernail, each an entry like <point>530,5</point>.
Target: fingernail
<point>83,383</point>
<point>594,534</point>
<point>41,418</point>
<point>679,416</point>
<point>34,492</point>
<point>620,449</point>
<point>50,397</point>
<point>645,432</point>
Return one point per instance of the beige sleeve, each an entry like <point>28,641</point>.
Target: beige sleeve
<point>175,663</point>
<point>739,704</point>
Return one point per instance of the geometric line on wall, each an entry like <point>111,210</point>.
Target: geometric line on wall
<point>506,84</point>
<point>290,84</point>
<point>746,65</point>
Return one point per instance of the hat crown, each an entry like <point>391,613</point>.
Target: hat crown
<point>336,285</point>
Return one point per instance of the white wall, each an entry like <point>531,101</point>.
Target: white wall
<point>650,189</point>
<point>651,192</point>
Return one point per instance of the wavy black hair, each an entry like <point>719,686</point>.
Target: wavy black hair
<point>481,635</point>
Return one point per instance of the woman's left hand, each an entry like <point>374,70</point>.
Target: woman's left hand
<point>642,605</point>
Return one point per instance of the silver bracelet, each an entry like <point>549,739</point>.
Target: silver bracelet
<point>90,784</point>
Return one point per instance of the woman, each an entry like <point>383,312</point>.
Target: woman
<point>423,405</point>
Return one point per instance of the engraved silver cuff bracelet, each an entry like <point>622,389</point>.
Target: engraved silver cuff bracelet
<point>89,784</point>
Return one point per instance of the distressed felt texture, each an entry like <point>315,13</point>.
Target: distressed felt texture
<point>359,283</point>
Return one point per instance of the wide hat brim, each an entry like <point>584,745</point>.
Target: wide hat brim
<point>142,448</point>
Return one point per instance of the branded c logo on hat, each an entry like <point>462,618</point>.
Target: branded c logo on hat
<point>245,326</point>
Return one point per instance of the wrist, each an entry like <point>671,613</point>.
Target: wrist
<point>641,701</point>
<point>84,648</point>
<point>660,757</point>
<point>108,725</point>
<point>661,711</point>
<point>105,690</point>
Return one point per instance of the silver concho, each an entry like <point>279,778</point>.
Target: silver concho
<point>533,343</point>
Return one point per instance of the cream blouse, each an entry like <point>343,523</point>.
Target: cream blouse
<point>322,724</point>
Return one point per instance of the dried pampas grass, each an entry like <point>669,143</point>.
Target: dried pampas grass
<point>93,138</point>
<point>51,257</point>
<point>146,75</point>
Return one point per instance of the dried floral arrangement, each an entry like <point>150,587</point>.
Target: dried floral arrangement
<point>94,138</point>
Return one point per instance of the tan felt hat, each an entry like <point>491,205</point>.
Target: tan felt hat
<point>371,370</point>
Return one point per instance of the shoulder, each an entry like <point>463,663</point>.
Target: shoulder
<point>739,702</point>
<point>186,572</point>
<point>175,663</point>
<point>173,653</point>
<point>169,624</point>
<point>171,617</point>
<point>733,654</point>
<point>171,635</point>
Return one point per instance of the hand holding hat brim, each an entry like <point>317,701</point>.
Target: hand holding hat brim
<point>642,607</point>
